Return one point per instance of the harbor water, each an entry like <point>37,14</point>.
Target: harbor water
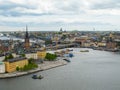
<point>93,70</point>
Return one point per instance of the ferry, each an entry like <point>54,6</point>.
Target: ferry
<point>37,77</point>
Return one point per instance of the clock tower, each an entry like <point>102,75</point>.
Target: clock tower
<point>27,42</point>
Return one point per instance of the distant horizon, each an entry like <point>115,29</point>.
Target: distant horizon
<point>63,31</point>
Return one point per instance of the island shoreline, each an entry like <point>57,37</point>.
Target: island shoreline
<point>41,67</point>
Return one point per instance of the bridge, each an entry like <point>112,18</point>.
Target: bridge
<point>61,46</point>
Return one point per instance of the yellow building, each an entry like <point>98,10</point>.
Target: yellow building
<point>101,44</point>
<point>41,54</point>
<point>11,64</point>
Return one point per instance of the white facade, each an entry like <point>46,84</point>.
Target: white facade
<point>2,67</point>
<point>2,58</point>
<point>31,55</point>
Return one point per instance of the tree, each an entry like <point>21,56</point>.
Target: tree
<point>23,55</point>
<point>17,68</point>
<point>48,41</point>
<point>28,67</point>
<point>6,58</point>
<point>50,56</point>
<point>31,60</point>
<point>10,56</point>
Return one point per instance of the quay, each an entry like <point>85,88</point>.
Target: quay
<point>62,46</point>
<point>41,67</point>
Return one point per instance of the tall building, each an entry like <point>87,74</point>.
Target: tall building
<point>27,42</point>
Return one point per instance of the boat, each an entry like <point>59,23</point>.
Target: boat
<point>71,50</point>
<point>68,55</point>
<point>71,55</point>
<point>37,77</point>
<point>84,50</point>
<point>68,60</point>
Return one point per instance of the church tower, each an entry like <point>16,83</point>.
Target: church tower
<point>27,42</point>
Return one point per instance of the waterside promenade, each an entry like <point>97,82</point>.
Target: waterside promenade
<point>41,67</point>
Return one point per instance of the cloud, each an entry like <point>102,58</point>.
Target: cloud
<point>106,4</point>
<point>57,13</point>
<point>40,7</point>
<point>11,5</point>
<point>68,5</point>
<point>15,9</point>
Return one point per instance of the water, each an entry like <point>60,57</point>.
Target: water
<point>94,70</point>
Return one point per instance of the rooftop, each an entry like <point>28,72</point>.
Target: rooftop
<point>16,59</point>
<point>1,63</point>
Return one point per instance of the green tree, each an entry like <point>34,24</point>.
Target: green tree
<point>31,60</point>
<point>48,41</point>
<point>10,56</point>
<point>6,58</point>
<point>23,55</point>
<point>50,56</point>
<point>17,68</point>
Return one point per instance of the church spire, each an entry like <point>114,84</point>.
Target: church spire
<point>26,35</point>
<point>27,43</point>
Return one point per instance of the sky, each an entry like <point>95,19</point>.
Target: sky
<point>51,15</point>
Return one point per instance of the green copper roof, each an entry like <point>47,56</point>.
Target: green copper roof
<point>1,63</point>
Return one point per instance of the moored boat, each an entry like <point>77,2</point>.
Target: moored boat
<point>66,59</point>
<point>84,50</point>
<point>71,55</point>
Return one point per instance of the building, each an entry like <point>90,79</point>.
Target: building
<point>5,45</point>
<point>2,67</point>
<point>87,44</point>
<point>111,44</point>
<point>117,43</point>
<point>27,42</point>
<point>31,55</point>
<point>12,64</point>
<point>101,44</point>
<point>1,57</point>
<point>81,40</point>
<point>41,54</point>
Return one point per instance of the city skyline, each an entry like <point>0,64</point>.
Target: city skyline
<point>51,15</point>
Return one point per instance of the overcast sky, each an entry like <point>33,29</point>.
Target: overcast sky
<point>54,14</point>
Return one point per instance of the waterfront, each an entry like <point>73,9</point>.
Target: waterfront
<point>41,67</point>
<point>93,70</point>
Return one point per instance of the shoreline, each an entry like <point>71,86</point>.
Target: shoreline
<point>41,67</point>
